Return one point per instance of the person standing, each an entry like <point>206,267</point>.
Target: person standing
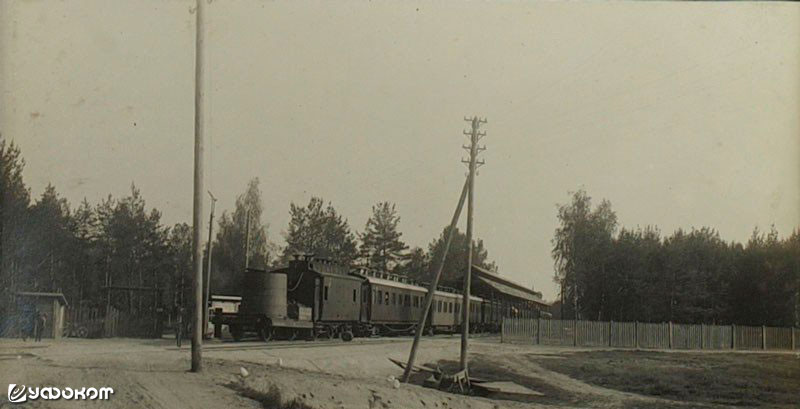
<point>179,326</point>
<point>41,321</point>
<point>30,323</point>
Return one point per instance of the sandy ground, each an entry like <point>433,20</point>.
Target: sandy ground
<point>323,374</point>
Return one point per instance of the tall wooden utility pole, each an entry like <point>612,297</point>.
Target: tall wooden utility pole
<point>197,209</point>
<point>247,239</point>
<point>474,149</point>
<point>208,263</point>
<point>434,284</point>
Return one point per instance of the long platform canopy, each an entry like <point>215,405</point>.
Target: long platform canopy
<point>506,286</point>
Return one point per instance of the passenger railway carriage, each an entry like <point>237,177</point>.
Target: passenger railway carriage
<point>314,297</point>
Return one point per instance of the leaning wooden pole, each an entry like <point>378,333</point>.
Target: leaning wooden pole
<point>434,283</point>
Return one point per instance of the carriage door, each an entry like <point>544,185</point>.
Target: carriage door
<point>366,296</point>
<point>317,299</point>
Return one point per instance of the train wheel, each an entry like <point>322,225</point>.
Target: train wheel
<point>293,334</point>
<point>266,333</point>
<point>347,336</point>
<point>429,331</point>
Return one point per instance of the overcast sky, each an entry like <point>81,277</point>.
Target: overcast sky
<point>681,114</point>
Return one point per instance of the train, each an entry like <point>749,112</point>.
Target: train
<point>315,297</point>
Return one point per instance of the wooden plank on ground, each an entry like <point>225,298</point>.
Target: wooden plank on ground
<point>506,387</point>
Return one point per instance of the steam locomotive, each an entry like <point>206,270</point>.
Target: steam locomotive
<point>315,297</point>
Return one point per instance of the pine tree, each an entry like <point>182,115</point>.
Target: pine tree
<point>133,248</point>
<point>455,264</point>
<point>315,229</point>
<point>416,265</point>
<point>49,241</point>
<point>14,201</point>
<point>381,246</point>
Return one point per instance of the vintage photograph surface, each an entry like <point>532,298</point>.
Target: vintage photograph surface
<point>399,205</point>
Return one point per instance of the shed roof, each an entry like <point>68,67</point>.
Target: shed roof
<point>506,286</point>
<point>220,297</point>
<point>59,296</point>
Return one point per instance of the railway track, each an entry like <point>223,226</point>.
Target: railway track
<point>258,345</point>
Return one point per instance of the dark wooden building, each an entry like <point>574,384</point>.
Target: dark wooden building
<point>510,298</point>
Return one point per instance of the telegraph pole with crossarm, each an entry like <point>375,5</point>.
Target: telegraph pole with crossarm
<point>474,136</point>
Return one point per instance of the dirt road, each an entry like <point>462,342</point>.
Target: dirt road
<point>322,375</point>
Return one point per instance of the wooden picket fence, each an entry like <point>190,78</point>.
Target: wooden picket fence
<point>647,335</point>
<point>94,322</point>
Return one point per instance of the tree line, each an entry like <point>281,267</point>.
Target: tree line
<point>49,245</point>
<point>317,228</point>
<point>623,274</point>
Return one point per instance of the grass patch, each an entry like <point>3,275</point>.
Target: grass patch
<point>481,367</point>
<point>730,379</point>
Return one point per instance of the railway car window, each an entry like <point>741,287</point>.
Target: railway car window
<point>380,297</point>
<point>386,298</point>
<point>457,305</point>
<point>354,295</point>
<point>325,294</point>
<point>450,309</point>
<point>408,300</point>
<point>394,298</point>
<point>439,306</point>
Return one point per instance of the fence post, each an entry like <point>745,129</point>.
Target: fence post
<point>636,333</point>
<point>733,336</point>
<point>793,341</point>
<point>610,328</point>
<point>702,334</point>
<point>763,337</point>
<point>575,332</point>
<point>539,331</point>
<point>670,335</point>
<point>502,329</point>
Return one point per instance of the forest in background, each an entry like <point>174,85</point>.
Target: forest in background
<point>622,274</point>
<point>605,272</point>
<point>50,245</point>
